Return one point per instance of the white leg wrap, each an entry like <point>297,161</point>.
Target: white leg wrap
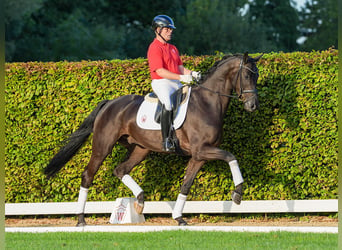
<point>82,198</point>
<point>237,177</point>
<point>178,209</point>
<point>132,185</point>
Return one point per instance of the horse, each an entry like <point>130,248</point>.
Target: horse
<point>199,136</point>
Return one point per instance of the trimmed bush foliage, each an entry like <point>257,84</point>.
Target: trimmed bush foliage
<point>286,150</point>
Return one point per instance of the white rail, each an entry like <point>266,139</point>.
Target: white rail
<point>191,207</point>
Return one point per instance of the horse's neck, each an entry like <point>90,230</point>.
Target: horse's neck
<point>220,81</point>
<point>221,85</point>
<point>215,103</point>
<point>216,84</point>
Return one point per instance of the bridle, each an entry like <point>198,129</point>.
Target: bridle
<point>243,91</point>
<point>238,76</point>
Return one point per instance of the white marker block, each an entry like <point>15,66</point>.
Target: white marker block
<point>124,212</point>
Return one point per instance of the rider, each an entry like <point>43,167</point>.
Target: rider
<point>167,71</point>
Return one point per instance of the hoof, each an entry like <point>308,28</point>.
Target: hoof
<point>236,197</point>
<point>139,207</point>
<point>181,222</point>
<point>237,194</point>
<point>81,221</point>
<point>81,224</point>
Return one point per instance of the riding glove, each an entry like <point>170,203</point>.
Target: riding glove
<point>196,75</point>
<point>185,78</point>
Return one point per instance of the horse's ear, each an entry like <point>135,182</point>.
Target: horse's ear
<point>245,57</point>
<point>258,58</point>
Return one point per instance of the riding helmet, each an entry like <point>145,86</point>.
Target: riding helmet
<point>162,21</point>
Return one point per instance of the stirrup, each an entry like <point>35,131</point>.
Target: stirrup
<point>168,145</point>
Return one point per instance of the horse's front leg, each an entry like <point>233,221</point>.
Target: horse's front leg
<point>238,180</point>
<point>191,172</point>
<point>213,153</point>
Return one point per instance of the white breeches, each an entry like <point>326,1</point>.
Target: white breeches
<point>164,88</point>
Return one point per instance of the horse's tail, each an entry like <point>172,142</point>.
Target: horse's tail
<point>73,143</point>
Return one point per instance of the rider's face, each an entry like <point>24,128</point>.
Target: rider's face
<point>166,33</point>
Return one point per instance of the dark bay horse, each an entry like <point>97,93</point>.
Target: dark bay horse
<point>114,121</point>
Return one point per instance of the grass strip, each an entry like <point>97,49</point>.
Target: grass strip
<point>172,240</point>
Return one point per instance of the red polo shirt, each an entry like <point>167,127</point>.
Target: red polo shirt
<point>163,55</point>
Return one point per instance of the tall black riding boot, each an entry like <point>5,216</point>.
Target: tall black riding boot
<point>166,129</point>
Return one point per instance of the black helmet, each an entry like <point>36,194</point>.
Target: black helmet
<point>162,21</point>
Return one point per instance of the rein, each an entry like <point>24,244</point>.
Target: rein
<point>216,92</point>
<point>255,91</point>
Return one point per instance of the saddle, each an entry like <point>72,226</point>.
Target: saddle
<point>146,114</point>
<point>177,98</point>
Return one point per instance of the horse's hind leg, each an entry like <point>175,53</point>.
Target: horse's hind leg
<point>192,169</point>
<point>102,146</point>
<point>87,179</point>
<point>122,171</point>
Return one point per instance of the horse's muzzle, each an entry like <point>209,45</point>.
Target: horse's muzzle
<point>251,104</point>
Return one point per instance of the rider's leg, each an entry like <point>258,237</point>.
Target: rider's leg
<point>164,88</point>
<point>166,129</point>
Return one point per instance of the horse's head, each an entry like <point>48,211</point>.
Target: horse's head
<point>240,74</point>
<point>245,82</point>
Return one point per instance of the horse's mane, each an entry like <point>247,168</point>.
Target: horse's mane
<point>217,64</point>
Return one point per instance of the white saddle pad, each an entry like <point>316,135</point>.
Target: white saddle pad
<point>147,109</point>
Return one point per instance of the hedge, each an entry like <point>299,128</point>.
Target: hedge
<point>286,150</point>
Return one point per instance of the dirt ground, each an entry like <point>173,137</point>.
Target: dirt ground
<point>317,221</point>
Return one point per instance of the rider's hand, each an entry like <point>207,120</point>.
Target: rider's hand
<point>185,78</point>
<point>196,75</point>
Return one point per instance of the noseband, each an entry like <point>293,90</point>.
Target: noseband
<point>242,91</point>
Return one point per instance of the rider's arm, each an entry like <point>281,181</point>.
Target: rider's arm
<point>183,70</point>
<point>164,73</point>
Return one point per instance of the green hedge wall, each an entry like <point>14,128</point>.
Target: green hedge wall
<point>286,150</point>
